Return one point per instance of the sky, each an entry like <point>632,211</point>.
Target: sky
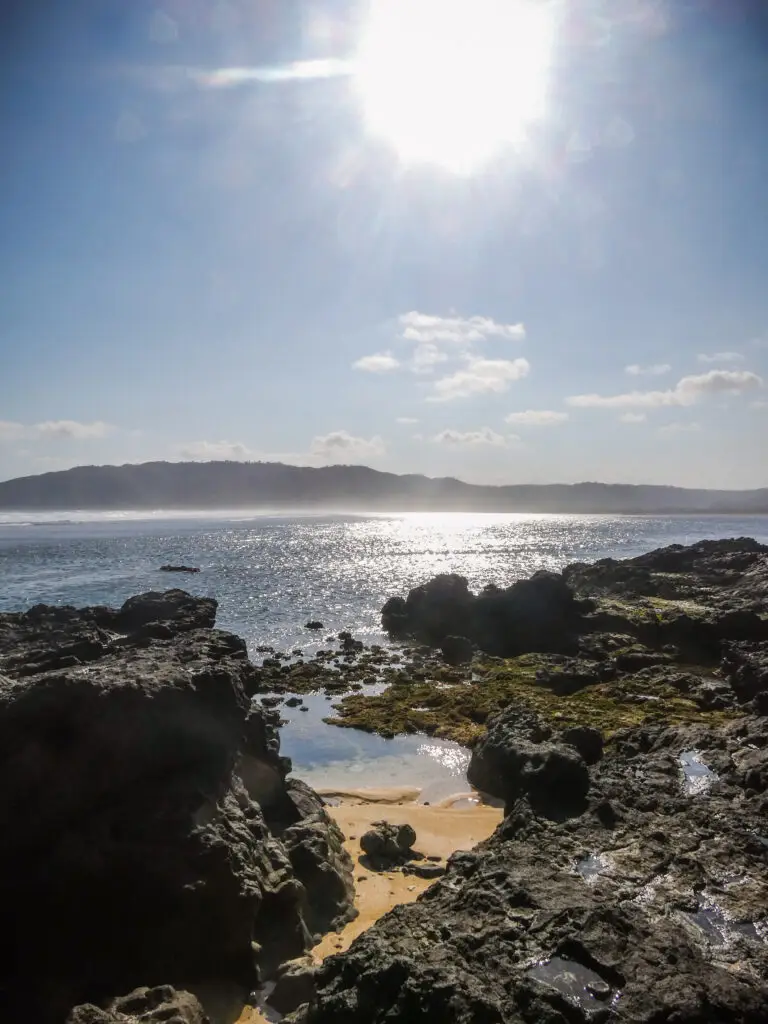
<point>504,240</point>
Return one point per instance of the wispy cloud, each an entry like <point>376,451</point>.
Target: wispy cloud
<point>720,357</point>
<point>654,370</point>
<point>537,418</point>
<point>381,362</point>
<point>475,438</point>
<point>670,429</point>
<point>481,377</point>
<point>687,391</point>
<point>294,71</point>
<point>633,417</point>
<point>208,451</point>
<point>56,429</point>
<point>340,443</point>
<point>406,420</point>
<point>425,358</point>
<point>456,330</point>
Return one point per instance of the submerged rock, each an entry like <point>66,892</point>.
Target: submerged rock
<point>154,834</point>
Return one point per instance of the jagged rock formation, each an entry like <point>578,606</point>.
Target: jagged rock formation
<point>629,879</point>
<point>150,836</point>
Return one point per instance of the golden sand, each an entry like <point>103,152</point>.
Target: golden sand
<point>458,823</point>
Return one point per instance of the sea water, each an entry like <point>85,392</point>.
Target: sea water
<point>273,573</point>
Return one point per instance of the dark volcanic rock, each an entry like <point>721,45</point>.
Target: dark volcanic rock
<point>539,614</point>
<point>294,985</point>
<point>508,764</point>
<point>656,911</point>
<point>161,1004</point>
<point>143,791</point>
<point>386,844</point>
<point>457,650</point>
<point>179,568</point>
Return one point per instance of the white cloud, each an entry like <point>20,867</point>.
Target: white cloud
<point>406,420</point>
<point>687,391</point>
<point>481,377</point>
<point>537,418</point>
<point>60,429</point>
<point>340,443</point>
<point>426,357</point>
<point>208,451</point>
<point>73,429</point>
<point>720,357</point>
<point>654,370</point>
<point>759,405</point>
<point>669,429</point>
<point>633,417</point>
<point>473,438</point>
<point>456,330</point>
<point>382,362</point>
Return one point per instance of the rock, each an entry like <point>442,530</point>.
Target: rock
<point>294,985</point>
<point>314,624</point>
<point>425,870</point>
<point>178,568</point>
<point>745,666</point>
<point>161,1003</point>
<point>147,798</point>
<point>387,844</point>
<point>588,742</point>
<point>667,922</point>
<point>508,765</point>
<point>293,702</point>
<point>539,614</point>
<point>457,650</point>
<point>315,846</point>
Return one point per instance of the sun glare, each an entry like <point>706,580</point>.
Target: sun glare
<point>452,82</point>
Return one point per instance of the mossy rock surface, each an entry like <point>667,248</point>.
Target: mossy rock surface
<point>459,711</point>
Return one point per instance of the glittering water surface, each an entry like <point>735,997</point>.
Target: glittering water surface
<point>272,574</point>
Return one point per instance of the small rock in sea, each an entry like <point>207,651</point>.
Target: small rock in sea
<point>293,702</point>
<point>271,702</point>
<point>303,708</point>
<point>314,624</point>
<point>179,568</point>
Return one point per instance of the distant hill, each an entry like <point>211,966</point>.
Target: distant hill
<point>272,485</point>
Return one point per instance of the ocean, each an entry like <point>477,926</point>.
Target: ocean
<point>273,573</point>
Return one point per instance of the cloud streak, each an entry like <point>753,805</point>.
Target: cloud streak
<point>210,451</point>
<point>381,362</point>
<point>537,418</point>
<point>54,429</point>
<point>655,370</point>
<point>341,443</point>
<point>424,328</point>
<point>687,391</point>
<point>475,438</point>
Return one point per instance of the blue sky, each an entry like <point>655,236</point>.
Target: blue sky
<point>213,246</point>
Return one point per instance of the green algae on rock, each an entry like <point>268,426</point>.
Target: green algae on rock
<point>459,711</point>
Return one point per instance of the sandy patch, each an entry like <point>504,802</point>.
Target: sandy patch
<point>458,823</point>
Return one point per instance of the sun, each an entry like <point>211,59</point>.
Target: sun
<point>452,82</point>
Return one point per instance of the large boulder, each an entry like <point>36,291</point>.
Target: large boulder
<point>514,763</point>
<point>539,614</point>
<point>147,800</point>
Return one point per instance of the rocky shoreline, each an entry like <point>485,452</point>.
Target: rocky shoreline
<point>619,711</point>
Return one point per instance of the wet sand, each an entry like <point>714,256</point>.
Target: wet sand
<point>458,823</point>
